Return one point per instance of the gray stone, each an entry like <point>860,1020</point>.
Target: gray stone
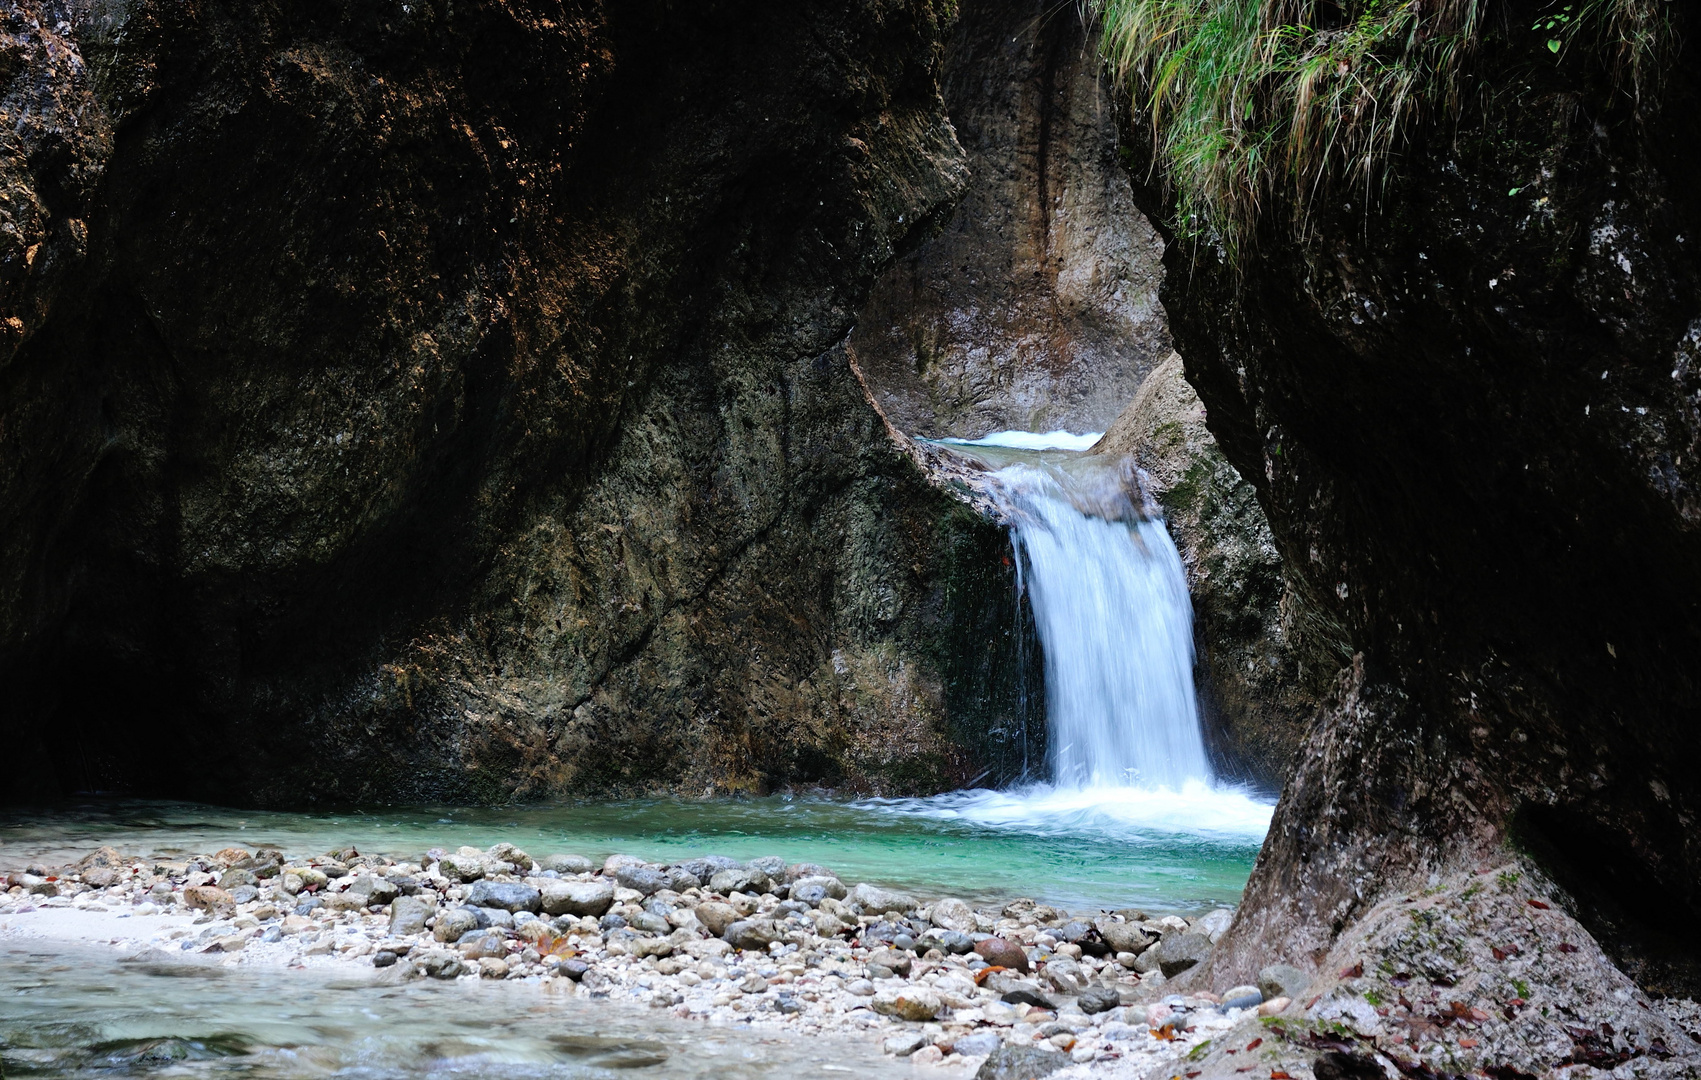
<point>1098,999</point>
<point>811,895</point>
<point>643,879</point>
<point>507,895</point>
<point>981,1042</point>
<point>707,867</point>
<point>753,984</point>
<point>953,914</point>
<point>441,964</point>
<point>577,897</point>
<point>460,867</point>
<point>904,1043</point>
<point>244,894</point>
<point>383,958</point>
<point>1283,980</point>
<point>615,863</point>
<point>829,886</point>
<point>887,963</point>
<point>408,914</point>
<point>877,901</point>
<point>1065,974</point>
<point>483,943</point>
<point>566,864</point>
<point>1123,937</point>
<point>1179,950</point>
<point>493,916</point>
<point>716,917</point>
<point>1020,1063</point>
<point>771,865</point>
<point>744,879</point>
<point>453,924</point>
<point>751,934</point>
<point>679,879</point>
<point>377,890</point>
<point>511,855</point>
<point>948,941</point>
<point>1213,924</point>
<point>651,923</point>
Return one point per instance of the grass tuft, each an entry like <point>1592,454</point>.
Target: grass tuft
<point>1252,102</point>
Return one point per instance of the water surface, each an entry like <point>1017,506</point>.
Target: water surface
<point>83,1012</point>
<point>1164,851</point>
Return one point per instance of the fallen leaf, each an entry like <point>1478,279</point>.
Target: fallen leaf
<point>1566,946</point>
<point>1255,1044</point>
<point>1537,904</point>
<point>981,975</point>
<point>1166,1033</point>
<point>1468,1044</point>
<point>1353,972</point>
<point>1277,1074</point>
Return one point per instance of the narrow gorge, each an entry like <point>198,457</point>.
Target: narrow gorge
<point>934,538</point>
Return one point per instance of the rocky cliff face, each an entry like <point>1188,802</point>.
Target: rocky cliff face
<point>1035,308</point>
<point>1474,420</point>
<point>1266,658</point>
<point>444,401</point>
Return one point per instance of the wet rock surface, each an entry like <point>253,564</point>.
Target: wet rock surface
<point>1472,420</point>
<point>443,403</point>
<point>1035,306</point>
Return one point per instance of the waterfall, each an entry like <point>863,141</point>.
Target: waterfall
<point>1109,600</point>
<point>1110,603</point>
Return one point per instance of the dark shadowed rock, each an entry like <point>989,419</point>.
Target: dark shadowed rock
<point>505,895</point>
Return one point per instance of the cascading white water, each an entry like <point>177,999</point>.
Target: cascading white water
<point>1110,603</point>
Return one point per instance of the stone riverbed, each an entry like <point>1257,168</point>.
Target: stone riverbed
<point>943,983</point>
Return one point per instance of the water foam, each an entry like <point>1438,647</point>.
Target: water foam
<point>1032,440</point>
<point>1130,814</point>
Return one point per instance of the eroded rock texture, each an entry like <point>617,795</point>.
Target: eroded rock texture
<point>1264,658</point>
<point>1036,307</point>
<point>1474,422</point>
<point>443,401</point>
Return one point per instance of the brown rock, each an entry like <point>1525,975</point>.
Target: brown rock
<point>208,897</point>
<point>230,856</point>
<point>1002,953</point>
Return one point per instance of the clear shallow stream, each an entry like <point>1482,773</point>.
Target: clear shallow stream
<point>83,1012</point>
<point>1106,848</point>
